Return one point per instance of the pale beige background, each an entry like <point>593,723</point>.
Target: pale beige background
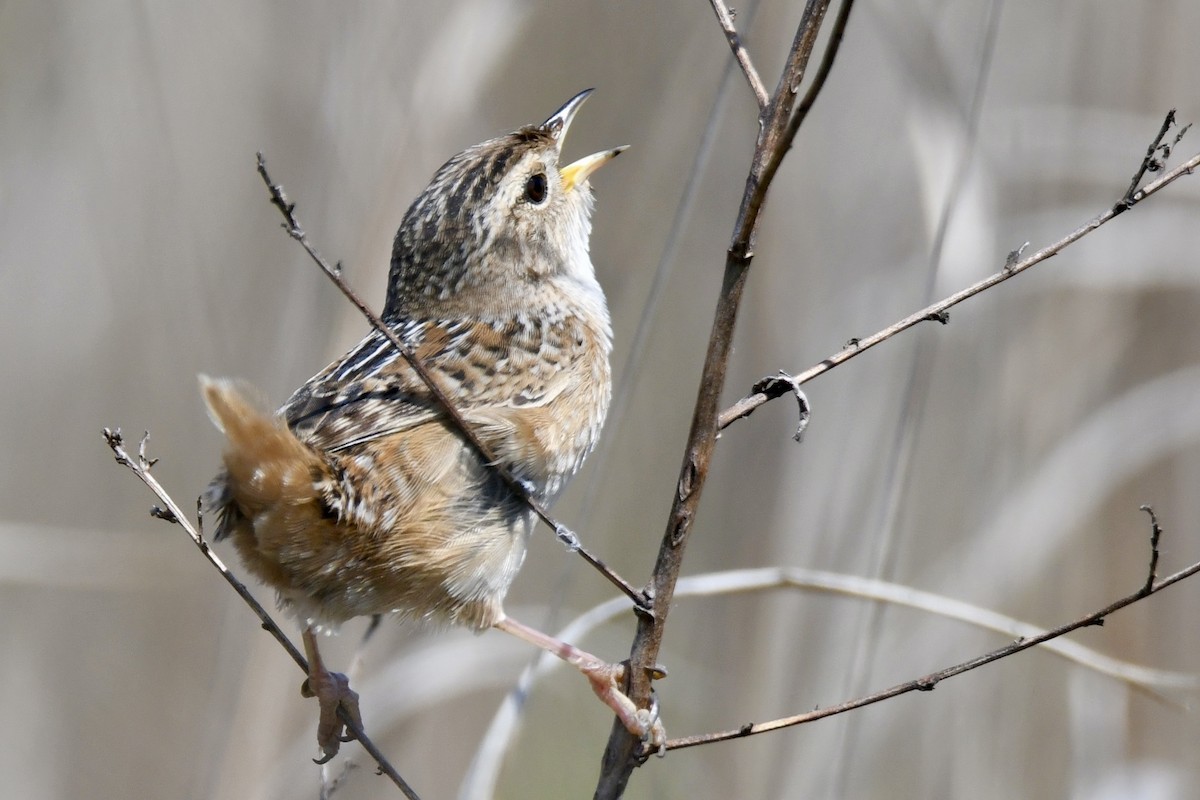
<point>999,460</point>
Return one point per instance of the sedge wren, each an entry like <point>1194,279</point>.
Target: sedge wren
<point>360,496</point>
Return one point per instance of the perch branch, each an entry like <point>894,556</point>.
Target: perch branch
<point>170,511</point>
<point>334,272</point>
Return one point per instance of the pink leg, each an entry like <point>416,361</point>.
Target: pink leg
<point>332,689</point>
<point>605,678</point>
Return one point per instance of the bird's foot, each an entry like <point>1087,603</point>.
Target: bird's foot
<point>332,690</point>
<point>607,682</point>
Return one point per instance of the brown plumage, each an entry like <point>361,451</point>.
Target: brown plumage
<point>359,496</point>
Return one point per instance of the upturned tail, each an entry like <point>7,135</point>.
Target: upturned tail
<point>270,476</point>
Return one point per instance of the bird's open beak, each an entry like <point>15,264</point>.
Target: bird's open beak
<point>576,173</point>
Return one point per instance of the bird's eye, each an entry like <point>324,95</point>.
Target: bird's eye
<point>535,188</point>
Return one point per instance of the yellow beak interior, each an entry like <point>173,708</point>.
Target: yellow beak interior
<point>577,172</point>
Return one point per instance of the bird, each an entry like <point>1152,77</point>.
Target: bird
<point>360,496</point>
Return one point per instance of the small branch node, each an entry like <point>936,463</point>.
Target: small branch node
<point>1014,257</point>
<point>144,460</point>
<point>941,315</point>
<point>165,514</point>
<point>778,385</point>
<point>567,537</point>
<point>643,604</point>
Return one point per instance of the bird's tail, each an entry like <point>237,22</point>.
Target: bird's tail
<point>269,473</point>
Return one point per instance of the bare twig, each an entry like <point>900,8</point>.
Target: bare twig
<point>836,34</point>
<point>725,19</point>
<point>748,404</point>
<point>928,682</point>
<point>623,752</point>
<point>1155,535</point>
<point>334,272</point>
<point>140,466</point>
<point>1150,160</point>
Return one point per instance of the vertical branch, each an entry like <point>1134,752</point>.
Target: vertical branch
<point>623,752</point>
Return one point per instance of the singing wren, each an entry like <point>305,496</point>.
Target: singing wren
<point>360,496</point>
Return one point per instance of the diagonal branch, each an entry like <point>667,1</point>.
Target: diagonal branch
<point>938,311</point>
<point>334,272</point>
<point>170,511</point>
<point>725,19</point>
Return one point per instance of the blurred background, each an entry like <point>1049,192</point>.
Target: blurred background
<point>999,460</point>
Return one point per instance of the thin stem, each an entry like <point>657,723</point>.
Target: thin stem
<point>1168,121</point>
<point>1155,535</point>
<point>725,20</point>
<point>836,34</point>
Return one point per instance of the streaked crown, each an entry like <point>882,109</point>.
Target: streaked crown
<point>497,218</point>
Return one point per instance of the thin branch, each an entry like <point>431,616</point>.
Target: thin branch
<point>938,311</point>
<point>928,682</point>
<point>1150,159</point>
<point>170,511</point>
<point>624,752</point>
<point>836,34</point>
<point>725,19</point>
<point>1155,535</point>
<point>334,272</point>
<point>777,134</point>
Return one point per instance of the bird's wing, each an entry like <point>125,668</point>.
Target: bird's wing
<point>485,367</point>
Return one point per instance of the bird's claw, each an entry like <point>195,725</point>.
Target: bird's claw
<point>332,690</point>
<point>654,736</point>
<point>607,682</point>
